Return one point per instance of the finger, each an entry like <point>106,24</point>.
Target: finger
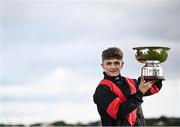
<point>149,83</point>
<point>141,75</point>
<point>152,82</point>
<point>142,78</point>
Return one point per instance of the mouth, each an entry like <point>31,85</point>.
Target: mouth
<point>113,71</point>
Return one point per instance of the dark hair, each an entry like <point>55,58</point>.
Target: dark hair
<point>112,53</point>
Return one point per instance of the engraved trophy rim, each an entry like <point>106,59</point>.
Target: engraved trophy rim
<point>151,47</point>
<point>158,53</point>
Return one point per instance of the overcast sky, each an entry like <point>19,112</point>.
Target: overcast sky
<point>51,55</point>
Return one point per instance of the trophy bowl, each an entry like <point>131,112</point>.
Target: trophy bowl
<point>151,57</point>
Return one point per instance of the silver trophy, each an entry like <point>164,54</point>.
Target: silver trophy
<point>151,57</point>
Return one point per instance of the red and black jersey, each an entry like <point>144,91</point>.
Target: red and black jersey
<point>119,101</point>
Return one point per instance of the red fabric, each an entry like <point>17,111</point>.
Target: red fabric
<point>154,89</point>
<point>114,89</point>
<point>132,85</point>
<point>114,105</point>
<point>132,116</point>
<point>112,109</point>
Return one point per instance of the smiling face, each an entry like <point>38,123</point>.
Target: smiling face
<point>112,67</point>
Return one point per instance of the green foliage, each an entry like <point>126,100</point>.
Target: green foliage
<point>161,121</point>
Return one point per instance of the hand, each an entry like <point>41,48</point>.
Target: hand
<point>144,86</point>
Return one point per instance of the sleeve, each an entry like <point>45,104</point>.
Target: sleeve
<point>113,105</point>
<point>130,104</point>
<point>155,88</point>
<point>103,96</point>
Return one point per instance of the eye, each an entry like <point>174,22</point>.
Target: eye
<point>116,63</point>
<point>108,63</point>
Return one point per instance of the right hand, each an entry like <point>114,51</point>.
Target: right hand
<point>144,86</point>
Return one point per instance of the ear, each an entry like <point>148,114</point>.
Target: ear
<point>102,65</point>
<point>122,64</point>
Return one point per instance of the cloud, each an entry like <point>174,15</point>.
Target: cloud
<point>61,94</point>
<point>54,95</point>
<point>55,83</point>
<point>30,112</point>
<point>168,96</point>
<point>51,54</point>
<point>64,22</point>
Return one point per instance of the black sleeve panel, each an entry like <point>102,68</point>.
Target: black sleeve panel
<point>103,96</point>
<point>130,104</point>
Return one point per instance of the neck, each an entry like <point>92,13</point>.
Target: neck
<point>111,76</point>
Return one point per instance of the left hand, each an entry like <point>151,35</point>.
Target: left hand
<point>144,86</point>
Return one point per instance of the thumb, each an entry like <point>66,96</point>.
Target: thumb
<point>142,78</point>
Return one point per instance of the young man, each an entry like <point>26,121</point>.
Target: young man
<point>119,98</point>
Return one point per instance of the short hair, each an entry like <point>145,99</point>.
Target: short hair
<point>112,53</point>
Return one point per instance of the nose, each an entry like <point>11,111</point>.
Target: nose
<point>112,66</point>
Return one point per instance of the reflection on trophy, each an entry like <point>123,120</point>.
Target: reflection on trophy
<point>151,56</point>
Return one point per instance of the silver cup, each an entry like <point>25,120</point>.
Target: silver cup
<point>151,57</point>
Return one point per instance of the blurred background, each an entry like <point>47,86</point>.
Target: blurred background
<point>51,54</point>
